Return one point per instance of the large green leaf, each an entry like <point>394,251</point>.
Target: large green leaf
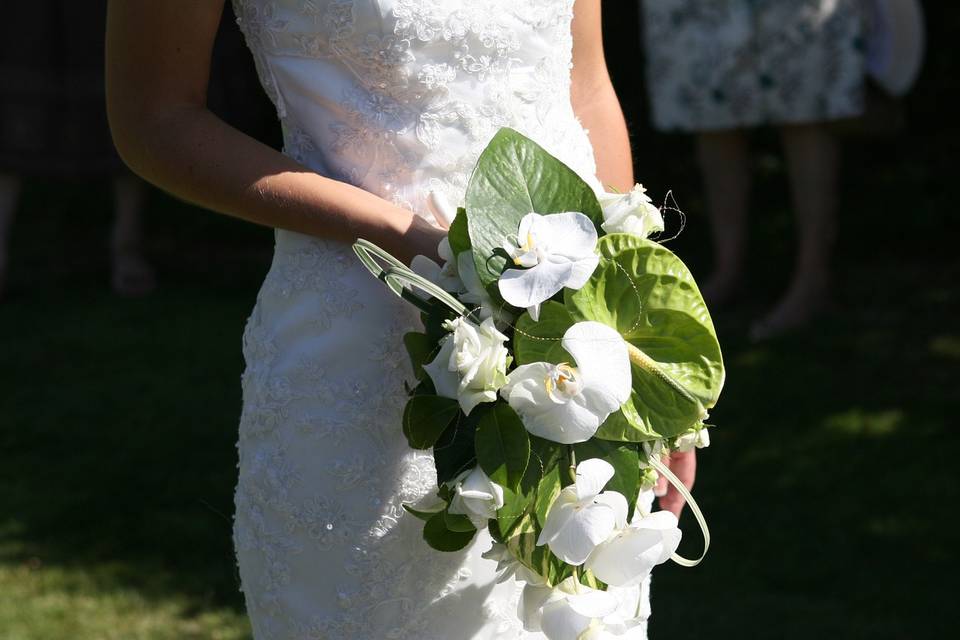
<point>503,446</point>
<point>522,543</point>
<point>454,452</point>
<point>458,235</point>
<point>645,292</point>
<point>515,176</point>
<point>425,418</point>
<point>625,459</point>
<point>540,341</point>
<point>421,349</point>
<point>441,538</point>
<point>543,462</point>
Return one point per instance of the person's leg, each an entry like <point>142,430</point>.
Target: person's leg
<point>813,164</point>
<point>725,162</point>
<point>9,199</point>
<point>132,275</point>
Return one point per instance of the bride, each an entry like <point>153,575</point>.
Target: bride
<point>385,106</point>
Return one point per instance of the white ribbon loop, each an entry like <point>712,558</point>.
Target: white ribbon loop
<point>694,508</point>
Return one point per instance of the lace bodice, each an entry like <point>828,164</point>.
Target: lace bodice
<point>400,96</point>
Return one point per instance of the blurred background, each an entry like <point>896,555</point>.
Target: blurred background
<point>830,484</point>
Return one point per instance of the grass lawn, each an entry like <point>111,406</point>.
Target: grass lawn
<point>829,485</point>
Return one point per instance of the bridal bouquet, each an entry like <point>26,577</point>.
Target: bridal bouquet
<point>563,353</point>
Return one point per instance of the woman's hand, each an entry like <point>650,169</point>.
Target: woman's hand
<point>421,238</point>
<point>684,466</point>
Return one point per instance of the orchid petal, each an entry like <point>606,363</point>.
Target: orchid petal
<point>570,234</point>
<point>618,503</point>
<point>560,622</point>
<point>561,511</point>
<point>592,477</point>
<point>583,531</point>
<point>602,358</point>
<point>526,287</point>
<point>593,603</point>
<point>531,602</point>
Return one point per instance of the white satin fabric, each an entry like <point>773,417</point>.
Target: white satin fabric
<point>398,97</point>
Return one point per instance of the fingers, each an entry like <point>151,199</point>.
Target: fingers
<point>684,466</point>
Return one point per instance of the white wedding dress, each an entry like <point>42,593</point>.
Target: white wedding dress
<point>397,97</point>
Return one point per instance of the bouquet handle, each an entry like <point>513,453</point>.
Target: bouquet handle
<point>694,508</point>
<point>401,279</point>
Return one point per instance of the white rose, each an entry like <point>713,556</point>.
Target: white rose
<point>472,363</point>
<point>631,212</point>
<point>476,496</point>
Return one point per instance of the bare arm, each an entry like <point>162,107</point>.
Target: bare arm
<point>595,101</point>
<point>596,104</point>
<point>157,66</point>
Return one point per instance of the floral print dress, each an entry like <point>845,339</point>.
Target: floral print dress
<point>724,64</point>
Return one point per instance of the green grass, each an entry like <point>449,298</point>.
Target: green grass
<point>829,485</point>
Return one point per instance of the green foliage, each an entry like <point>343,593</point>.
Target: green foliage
<point>645,292</point>
<point>539,341</point>
<point>515,176</point>
<point>440,537</point>
<point>421,350</point>
<point>458,234</point>
<point>455,452</point>
<point>503,446</point>
<point>420,515</point>
<point>425,418</point>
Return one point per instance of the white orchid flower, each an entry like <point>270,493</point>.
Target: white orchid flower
<point>447,277</point>
<point>634,629</point>
<point>631,212</point>
<point>583,515</point>
<point>557,251</point>
<point>476,496</point>
<point>628,556</point>
<point>472,363</point>
<point>566,403</point>
<point>698,439</point>
<point>565,612</point>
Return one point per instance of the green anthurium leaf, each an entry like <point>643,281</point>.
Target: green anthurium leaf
<point>516,504</point>
<point>515,176</point>
<point>625,459</point>
<point>439,537</point>
<point>422,515</point>
<point>645,292</point>
<point>540,341</point>
<point>454,452</point>
<point>457,522</point>
<point>421,350</point>
<point>503,446</point>
<point>458,234</point>
<point>522,543</point>
<point>425,418</point>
